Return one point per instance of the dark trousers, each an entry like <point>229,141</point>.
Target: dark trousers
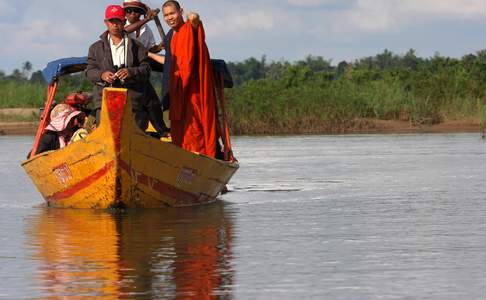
<point>154,109</point>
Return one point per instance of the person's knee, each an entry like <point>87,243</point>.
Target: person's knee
<point>141,119</point>
<point>165,102</point>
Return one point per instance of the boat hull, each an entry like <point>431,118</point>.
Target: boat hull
<point>118,165</point>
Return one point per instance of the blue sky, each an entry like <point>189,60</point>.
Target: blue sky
<point>40,31</point>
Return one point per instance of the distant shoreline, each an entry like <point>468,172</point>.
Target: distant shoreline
<point>395,126</point>
<point>18,128</point>
<point>362,126</point>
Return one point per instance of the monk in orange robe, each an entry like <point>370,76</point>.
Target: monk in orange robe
<point>191,87</point>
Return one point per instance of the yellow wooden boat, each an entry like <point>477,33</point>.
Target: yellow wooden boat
<point>118,165</point>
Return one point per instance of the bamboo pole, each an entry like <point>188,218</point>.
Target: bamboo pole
<point>51,92</point>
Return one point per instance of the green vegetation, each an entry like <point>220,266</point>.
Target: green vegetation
<point>22,90</point>
<point>482,117</point>
<point>313,95</point>
<point>21,94</point>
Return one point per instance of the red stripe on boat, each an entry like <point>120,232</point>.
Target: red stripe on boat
<point>86,182</point>
<point>164,188</point>
<point>116,101</point>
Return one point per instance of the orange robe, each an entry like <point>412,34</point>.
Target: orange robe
<point>193,100</point>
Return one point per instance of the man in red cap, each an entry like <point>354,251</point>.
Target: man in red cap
<point>120,61</point>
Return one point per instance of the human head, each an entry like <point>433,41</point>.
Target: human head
<point>115,19</point>
<point>173,14</point>
<point>134,9</point>
<point>172,2</point>
<point>63,117</point>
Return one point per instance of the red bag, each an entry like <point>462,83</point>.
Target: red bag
<point>77,99</point>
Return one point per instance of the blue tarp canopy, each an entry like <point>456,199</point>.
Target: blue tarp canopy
<point>64,66</point>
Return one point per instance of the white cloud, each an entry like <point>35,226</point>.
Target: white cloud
<point>237,24</point>
<point>376,16</point>
<point>310,2</point>
<point>453,8</point>
<point>41,41</point>
<point>367,16</point>
<point>39,30</point>
<point>64,32</point>
<point>5,8</point>
<point>12,12</point>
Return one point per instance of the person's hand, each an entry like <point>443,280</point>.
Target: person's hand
<point>193,17</point>
<point>156,48</point>
<point>151,14</point>
<point>122,74</point>
<point>108,76</point>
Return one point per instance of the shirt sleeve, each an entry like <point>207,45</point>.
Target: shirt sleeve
<point>93,72</point>
<point>140,73</point>
<point>150,38</point>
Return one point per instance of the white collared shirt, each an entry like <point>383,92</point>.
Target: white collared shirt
<point>146,36</point>
<point>119,52</point>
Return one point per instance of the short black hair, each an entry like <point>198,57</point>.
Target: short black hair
<point>172,2</point>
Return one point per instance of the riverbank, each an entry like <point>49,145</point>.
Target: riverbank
<point>18,128</point>
<point>18,121</point>
<point>359,126</point>
<point>395,126</point>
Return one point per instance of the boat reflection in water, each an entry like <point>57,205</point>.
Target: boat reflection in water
<point>175,253</point>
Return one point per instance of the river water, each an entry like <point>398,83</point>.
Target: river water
<point>317,217</point>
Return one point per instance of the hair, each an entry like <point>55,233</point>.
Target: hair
<point>172,2</point>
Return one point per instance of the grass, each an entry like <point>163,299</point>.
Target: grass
<point>272,107</point>
<point>16,94</point>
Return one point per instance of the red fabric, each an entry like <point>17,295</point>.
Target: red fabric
<point>77,99</point>
<point>193,100</point>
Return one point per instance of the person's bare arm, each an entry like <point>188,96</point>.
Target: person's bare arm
<point>135,26</point>
<point>157,57</point>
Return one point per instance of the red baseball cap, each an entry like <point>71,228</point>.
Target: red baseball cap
<point>114,12</point>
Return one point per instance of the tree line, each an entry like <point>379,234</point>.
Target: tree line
<point>313,95</point>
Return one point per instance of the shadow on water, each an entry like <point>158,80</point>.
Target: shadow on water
<point>145,253</point>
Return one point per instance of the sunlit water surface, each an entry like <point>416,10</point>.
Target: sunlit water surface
<point>319,217</point>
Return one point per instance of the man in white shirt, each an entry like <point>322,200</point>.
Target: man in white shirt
<point>134,9</point>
